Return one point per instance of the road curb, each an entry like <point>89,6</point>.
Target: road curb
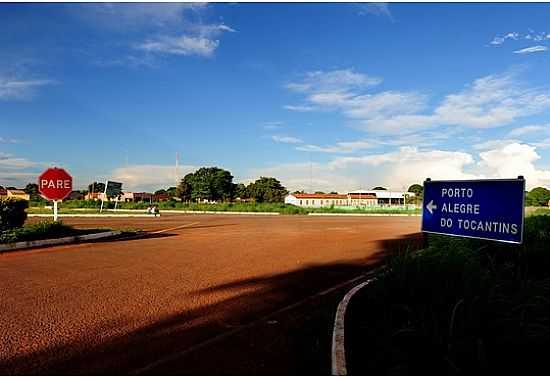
<point>364,214</point>
<point>57,241</point>
<point>338,351</point>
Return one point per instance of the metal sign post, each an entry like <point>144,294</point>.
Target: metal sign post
<point>490,209</point>
<point>55,184</point>
<point>112,189</point>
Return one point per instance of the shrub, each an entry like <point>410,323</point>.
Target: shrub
<point>12,213</point>
<point>460,306</point>
<point>38,231</point>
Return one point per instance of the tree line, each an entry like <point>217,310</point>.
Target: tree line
<point>215,184</point>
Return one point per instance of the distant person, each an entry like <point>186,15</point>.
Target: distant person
<point>149,210</point>
<point>155,211</point>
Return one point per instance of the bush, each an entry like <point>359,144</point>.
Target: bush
<point>38,231</point>
<point>12,213</point>
<point>461,306</point>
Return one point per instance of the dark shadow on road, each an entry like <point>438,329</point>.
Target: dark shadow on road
<point>260,296</point>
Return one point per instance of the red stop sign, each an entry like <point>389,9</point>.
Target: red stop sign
<point>55,184</point>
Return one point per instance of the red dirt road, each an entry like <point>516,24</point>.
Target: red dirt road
<point>114,307</point>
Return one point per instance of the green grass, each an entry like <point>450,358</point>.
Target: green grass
<point>47,211</point>
<point>367,210</point>
<point>460,306</point>
<point>43,230</point>
<point>80,206</point>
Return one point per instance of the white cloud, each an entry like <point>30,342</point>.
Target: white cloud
<point>377,9</point>
<point>307,176</point>
<point>3,140</point>
<point>170,28</point>
<point>182,45</point>
<point>515,36</point>
<point>212,30</point>
<point>149,177</point>
<point>530,129</point>
<point>16,178</point>
<point>490,101</point>
<point>299,108</point>
<point>275,125</point>
<point>530,50</point>
<point>13,88</point>
<point>407,165</point>
<point>340,147</point>
<point>500,40</point>
<point>383,104</point>
<point>513,160</point>
<point>286,139</point>
<point>333,81</point>
<point>124,17</point>
<point>18,171</point>
<point>9,161</point>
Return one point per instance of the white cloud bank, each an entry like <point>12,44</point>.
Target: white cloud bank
<point>515,36</point>
<point>149,177</point>
<point>183,45</point>
<point>172,29</point>
<point>286,139</point>
<point>399,169</point>
<point>490,101</point>
<point>13,88</point>
<point>530,50</point>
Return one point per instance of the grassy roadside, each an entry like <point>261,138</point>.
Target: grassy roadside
<point>43,230</point>
<point>459,306</point>
<point>284,209</point>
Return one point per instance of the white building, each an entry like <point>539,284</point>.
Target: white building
<point>359,198</point>
<point>387,197</point>
<point>328,200</point>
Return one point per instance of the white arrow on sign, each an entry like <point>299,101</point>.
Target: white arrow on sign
<point>431,206</point>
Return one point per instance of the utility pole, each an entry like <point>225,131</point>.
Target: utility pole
<point>310,174</point>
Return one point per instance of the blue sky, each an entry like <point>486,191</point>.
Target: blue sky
<point>321,96</point>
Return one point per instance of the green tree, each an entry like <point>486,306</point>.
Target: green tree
<point>267,189</point>
<point>184,189</point>
<point>418,191</point>
<point>241,191</point>
<point>539,196</point>
<point>319,192</point>
<point>12,213</point>
<point>210,183</point>
<point>161,191</point>
<point>96,187</point>
<point>379,188</point>
<point>299,192</point>
<point>32,190</point>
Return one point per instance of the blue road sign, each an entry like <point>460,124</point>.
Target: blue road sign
<point>491,209</point>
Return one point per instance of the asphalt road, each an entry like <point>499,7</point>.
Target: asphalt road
<point>115,307</point>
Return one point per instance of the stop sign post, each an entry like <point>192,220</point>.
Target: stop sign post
<point>55,184</point>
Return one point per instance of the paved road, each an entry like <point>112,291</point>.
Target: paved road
<point>114,307</point>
